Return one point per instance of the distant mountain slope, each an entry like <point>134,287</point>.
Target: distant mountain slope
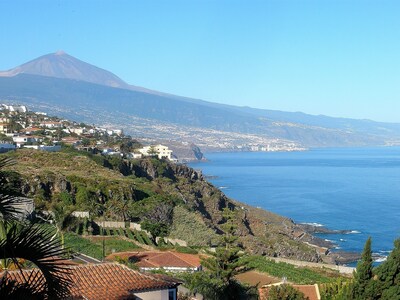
<point>62,65</point>
<point>86,92</point>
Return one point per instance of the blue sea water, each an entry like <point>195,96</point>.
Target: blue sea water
<point>354,189</point>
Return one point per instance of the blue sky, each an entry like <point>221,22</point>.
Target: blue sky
<point>338,58</point>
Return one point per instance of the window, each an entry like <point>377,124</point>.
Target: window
<point>172,294</point>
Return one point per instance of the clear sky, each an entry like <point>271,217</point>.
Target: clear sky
<point>338,58</point>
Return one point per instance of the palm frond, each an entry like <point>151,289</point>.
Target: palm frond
<point>6,161</point>
<point>12,207</point>
<point>34,243</point>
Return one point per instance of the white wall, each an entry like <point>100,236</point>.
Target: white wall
<point>153,295</point>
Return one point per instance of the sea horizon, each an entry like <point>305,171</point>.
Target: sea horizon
<point>354,189</point>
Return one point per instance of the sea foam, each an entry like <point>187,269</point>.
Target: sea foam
<point>314,224</point>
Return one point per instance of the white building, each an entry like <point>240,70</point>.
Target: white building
<point>135,155</point>
<point>23,139</point>
<point>51,124</point>
<point>159,150</point>
<point>77,130</point>
<point>15,108</point>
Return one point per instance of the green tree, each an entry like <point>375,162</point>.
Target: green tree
<point>62,217</point>
<point>85,142</point>
<point>155,229</point>
<point>363,274</point>
<point>388,274</point>
<point>5,138</point>
<point>218,281</point>
<point>152,151</point>
<point>339,290</point>
<point>285,292</point>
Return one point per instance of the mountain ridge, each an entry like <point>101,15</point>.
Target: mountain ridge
<point>58,79</point>
<point>62,65</point>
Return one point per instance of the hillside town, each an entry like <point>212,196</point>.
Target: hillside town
<point>22,128</point>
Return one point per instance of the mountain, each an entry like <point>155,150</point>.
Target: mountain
<point>62,84</point>
<point>62,65</point>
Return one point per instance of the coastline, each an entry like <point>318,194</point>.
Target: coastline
<point>328,250</point>
<point>337,187</point>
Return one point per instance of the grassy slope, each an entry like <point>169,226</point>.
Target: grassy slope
<point>196,219</point>
<point>94,246</point>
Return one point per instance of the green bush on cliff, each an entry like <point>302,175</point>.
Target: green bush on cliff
<point>189,226</point>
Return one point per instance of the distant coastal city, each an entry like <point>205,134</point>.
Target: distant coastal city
<point>22,128</point>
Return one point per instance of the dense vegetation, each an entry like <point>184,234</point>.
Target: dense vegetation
<point>298,275</point>
<point>94,246</point>
<point>382,282</point>
<point>218,281</point>
<point>22,244</point>
<point>167,199</point>
<point>172,200</point>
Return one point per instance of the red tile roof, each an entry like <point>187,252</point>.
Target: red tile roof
<point>31,129</point>
<point>107,281</point>
<point>166,259</point>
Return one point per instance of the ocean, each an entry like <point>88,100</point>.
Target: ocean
<point>356,189</point>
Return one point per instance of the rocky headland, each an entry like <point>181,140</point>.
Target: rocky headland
<point>190,206</point>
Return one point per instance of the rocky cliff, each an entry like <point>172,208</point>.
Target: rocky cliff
<point>150,188</point>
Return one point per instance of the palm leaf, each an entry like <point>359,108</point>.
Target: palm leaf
<point>12,207</point>
<point>34,243</point>
<point>6,161</point>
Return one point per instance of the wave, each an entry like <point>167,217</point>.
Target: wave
<point>332,241</point>
<point>380,259</point>
<point>354,232</point>
<point>314,224</point>
<point>222,187</point>
<point>379,256</point>
<point>342,240</point>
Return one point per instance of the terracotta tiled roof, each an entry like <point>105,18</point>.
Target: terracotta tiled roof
<point>31,129</point>
<point>107,281</point>
<point>167,259</point>
<point>310,292</point>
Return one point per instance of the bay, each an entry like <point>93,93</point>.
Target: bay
<point>355,189</point>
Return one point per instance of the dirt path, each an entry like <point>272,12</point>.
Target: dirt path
<point>254,278</point>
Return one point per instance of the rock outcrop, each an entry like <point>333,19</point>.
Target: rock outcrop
<point>128,184</point>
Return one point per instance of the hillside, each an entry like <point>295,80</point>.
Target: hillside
<point>63,85</point>
<point>154,191</point>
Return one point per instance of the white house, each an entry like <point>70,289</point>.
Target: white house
<point>23,139</point>
<point>135,155</point>
<point>159,150</point>
<point>4,127</point>
<point>77,130</point>
<point>15,108</point>
<point>51,124</point>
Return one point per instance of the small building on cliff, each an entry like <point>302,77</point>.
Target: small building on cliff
<point>161,151</point>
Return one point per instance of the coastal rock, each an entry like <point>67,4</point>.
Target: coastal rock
<point>313,229</point>
<point>117,190</point>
